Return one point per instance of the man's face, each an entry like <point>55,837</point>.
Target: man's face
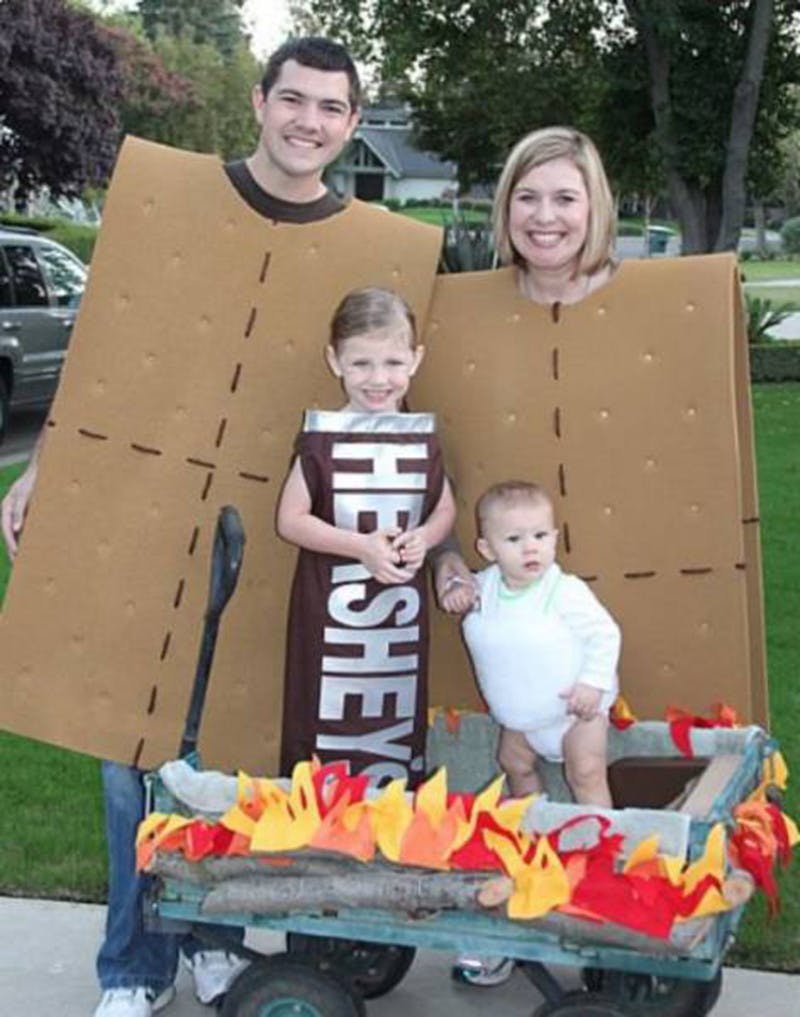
<point>521,538</point>
<point>305,119</point>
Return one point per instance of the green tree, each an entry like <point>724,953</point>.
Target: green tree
<point>214,22</point>
<point>669,88</point>
<point>219,117</point>
<point>59,90</point>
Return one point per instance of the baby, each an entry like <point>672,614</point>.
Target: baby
<point>544,649</point>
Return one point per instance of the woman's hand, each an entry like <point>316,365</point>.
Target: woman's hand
<point>582,701</point>
<point>379,555</point>
<point>456,589</point>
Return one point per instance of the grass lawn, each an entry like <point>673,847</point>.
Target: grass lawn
<point>756,271</point>
<point>444,216</point>
<point>51,841</point>
<point>776,294</point>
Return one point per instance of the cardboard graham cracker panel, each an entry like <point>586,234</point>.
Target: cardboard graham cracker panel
<point>199,344</point>
<point>632,409</point>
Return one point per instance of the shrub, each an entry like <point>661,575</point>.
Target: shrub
<point>393,204</point>
<point>775,361</point>
<point>790,235</point>
<point>467,247</point>
<point>762,315</point>
<point>79,239</point>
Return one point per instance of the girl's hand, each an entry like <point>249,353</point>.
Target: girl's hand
<point>379,556</point>
<point>411,548</point>
<point>582,701</point>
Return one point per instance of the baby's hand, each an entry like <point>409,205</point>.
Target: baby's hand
<point>582,701</point>
<point>458,595</point>
<point>380,557</point>
<point>411,549</point>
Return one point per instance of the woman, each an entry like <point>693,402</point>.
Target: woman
<point>554,220</point>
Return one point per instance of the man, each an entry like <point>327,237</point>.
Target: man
<point>307,106</point>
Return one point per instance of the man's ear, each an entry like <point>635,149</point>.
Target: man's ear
<point>257,98</point>
<point>483,549</point>
<point>333,361</point>
<point>419,354</point>
<point>355,118</point>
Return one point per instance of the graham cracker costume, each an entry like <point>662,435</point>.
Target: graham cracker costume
<point>199,342</point>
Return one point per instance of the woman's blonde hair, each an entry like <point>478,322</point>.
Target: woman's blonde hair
<point>540,147</point>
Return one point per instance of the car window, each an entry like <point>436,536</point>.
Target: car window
<point>66,277</point>
<point>6,294</point>
<point>29,287</point>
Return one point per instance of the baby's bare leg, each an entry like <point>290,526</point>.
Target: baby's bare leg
<point>585,761</point>
<point>518,761</point>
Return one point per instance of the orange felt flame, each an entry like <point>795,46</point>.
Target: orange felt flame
<point>346,828</point>
<point>620,714</point>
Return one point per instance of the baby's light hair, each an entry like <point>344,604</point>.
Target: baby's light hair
<point>508,493</point>
<point>370,309</point>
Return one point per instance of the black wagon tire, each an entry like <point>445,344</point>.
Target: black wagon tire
<point>581,1003</point>
<point>282,986</point>
<point>654,996</point>
<point>373,968</point>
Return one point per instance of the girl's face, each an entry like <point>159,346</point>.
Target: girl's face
<point>548,215</point>
<point>376,368</point>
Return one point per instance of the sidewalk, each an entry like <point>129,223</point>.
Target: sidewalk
<point>47,953</point>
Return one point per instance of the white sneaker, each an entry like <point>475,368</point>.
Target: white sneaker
<point>213,972</point>
<point>482,971</point>
<point>133,1002</point>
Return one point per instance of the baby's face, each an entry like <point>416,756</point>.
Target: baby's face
<point>521,538</point>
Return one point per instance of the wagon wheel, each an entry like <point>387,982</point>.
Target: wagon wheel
<point>582,1003</point>
<point>373,968</point>
<point>281,986</point>
<point>656,996</point>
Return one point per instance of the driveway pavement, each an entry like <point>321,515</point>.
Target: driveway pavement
<point>47,953</point>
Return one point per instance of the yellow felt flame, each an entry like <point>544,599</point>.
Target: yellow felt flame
<point>711,862</point>
<point>776,771</point>
<point>288,821</point>
<point>431,797</point>
<point>711,904</point>
<point>390,815</point>
<point>645,851</point>
<point>539,886</point>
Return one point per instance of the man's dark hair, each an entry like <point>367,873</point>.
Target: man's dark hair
<point>319,53</point>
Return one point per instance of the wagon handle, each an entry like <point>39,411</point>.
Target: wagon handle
<point>226,562</point>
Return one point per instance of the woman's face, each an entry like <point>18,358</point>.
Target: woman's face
<point>548,215</point>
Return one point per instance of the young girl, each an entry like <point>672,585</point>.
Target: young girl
<point>365,499</point>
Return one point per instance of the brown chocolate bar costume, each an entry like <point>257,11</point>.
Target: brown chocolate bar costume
<point>357,650</point>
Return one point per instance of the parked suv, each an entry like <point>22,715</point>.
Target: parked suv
<point>41,284</point>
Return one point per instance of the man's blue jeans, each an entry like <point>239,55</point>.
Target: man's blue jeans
<point>130,955</point>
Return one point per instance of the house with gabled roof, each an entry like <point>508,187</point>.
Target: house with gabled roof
<point>383,162</point>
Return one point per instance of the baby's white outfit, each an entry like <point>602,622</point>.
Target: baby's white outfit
<point>529,645</point>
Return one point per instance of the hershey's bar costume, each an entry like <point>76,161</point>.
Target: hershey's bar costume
<point>528,646</point>
<point>356,650</point>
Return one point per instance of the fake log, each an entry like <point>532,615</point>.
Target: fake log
<point>214,870</point>
<point>406,892</point>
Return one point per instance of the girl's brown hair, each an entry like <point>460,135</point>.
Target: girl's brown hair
<point>370,310</point>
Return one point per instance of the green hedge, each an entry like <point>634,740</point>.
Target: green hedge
<point>79,238</point>
<point>775,361</point>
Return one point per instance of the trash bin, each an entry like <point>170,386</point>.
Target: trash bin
<point>657,239</point>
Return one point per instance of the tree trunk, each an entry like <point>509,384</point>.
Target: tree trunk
<point>743,117</point>
<point>760,218</point>
<point>710,220</point>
